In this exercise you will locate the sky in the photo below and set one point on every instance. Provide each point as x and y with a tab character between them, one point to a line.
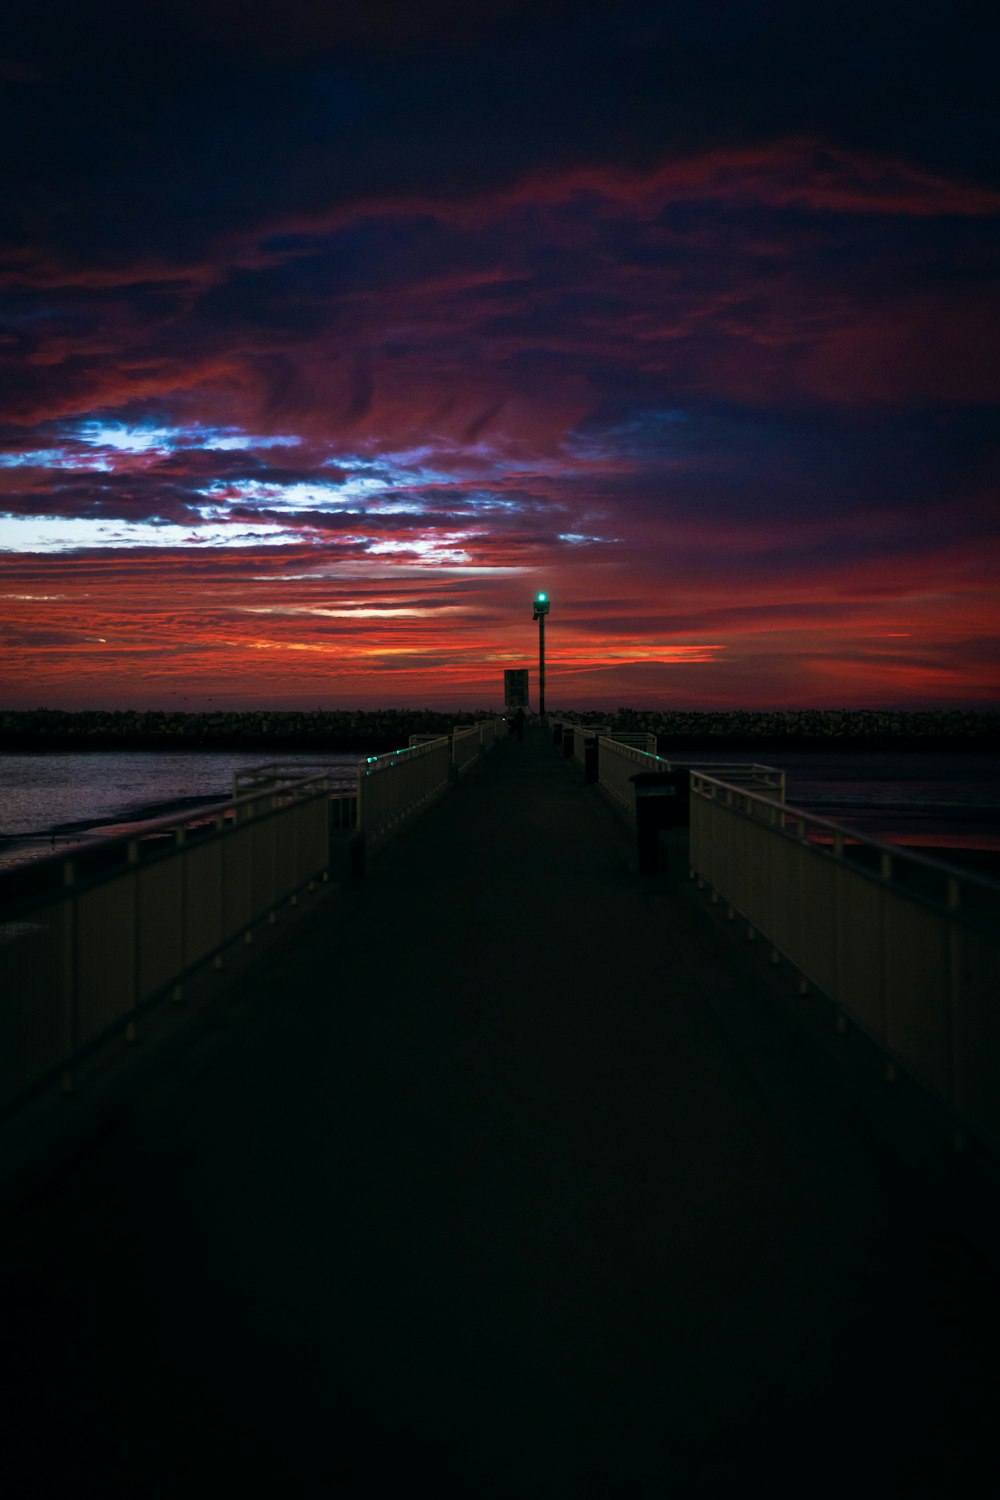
329	335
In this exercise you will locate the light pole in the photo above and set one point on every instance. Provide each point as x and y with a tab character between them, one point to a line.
541	610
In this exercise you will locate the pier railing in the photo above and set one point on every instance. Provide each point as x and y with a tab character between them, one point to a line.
472	740
394	787
619	761
81	960
906	948
580	733
129	921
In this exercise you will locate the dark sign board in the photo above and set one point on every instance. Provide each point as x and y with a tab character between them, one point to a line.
515	688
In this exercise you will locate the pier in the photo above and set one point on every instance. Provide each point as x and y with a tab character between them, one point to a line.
494	1163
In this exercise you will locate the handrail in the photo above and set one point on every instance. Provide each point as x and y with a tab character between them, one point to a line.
277	771
619	761
841	835
739	773
639	740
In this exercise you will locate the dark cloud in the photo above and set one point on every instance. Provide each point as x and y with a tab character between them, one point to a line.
689	310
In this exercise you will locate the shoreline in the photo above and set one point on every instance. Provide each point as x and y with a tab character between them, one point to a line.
265	732
668	745
147	812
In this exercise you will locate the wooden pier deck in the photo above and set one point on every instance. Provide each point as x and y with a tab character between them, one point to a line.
474	1190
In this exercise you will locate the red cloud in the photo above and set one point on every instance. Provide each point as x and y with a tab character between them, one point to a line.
504	343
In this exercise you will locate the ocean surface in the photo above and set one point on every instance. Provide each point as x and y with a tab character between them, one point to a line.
933	799
50	802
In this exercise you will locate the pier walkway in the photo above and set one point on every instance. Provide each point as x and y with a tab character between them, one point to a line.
477	1190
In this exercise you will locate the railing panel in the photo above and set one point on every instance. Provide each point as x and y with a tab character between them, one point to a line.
617	763
861	949
975	990
707	829
202	902
285	856
237	881
263	885
916	988
160	919
785	859
582	735
105	956
741	864
314	841
36	995
343	811
817	919
466	748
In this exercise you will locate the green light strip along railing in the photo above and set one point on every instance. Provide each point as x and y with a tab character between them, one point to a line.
420	773
133	918
907	948
394	787
639	740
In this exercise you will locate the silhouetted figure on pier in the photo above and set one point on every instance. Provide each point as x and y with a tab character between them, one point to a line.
519	723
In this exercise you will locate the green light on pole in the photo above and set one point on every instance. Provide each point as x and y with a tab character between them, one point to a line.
541	609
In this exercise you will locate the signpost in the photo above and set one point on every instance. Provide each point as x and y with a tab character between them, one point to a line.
515	688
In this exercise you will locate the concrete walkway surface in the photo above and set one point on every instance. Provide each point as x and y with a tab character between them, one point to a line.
471	1192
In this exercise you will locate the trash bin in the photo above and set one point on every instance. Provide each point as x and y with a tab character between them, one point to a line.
662	801
590	761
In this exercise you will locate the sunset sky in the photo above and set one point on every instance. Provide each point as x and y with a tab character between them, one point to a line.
329	334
